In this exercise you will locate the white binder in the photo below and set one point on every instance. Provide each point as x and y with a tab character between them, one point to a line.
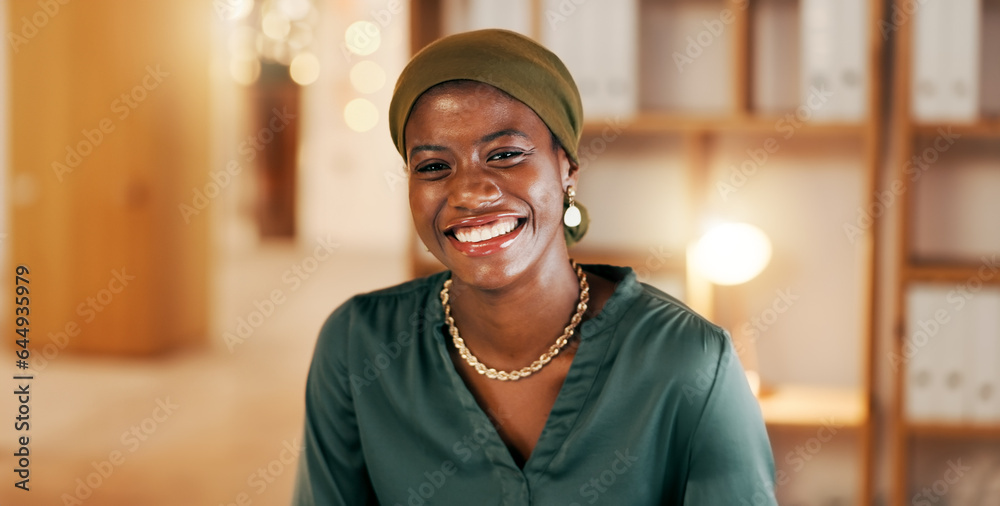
834	42
922	372
514	15
852	79
604	66
962	66
983	356
619	60
818	54
935	375
946	49
948	348
929	51
465	15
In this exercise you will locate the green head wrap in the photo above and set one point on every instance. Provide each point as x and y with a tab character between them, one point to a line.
508	61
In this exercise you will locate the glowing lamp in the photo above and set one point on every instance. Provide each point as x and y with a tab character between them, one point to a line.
731	253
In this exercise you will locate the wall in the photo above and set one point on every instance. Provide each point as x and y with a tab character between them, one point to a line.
352	184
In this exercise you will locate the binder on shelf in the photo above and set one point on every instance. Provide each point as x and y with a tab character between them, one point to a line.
818	53
454	16
983	357
946	48
927	93
852	71
619	59
465	15
948	347
605	68
921	371
935	356
962	74
774	59
834	38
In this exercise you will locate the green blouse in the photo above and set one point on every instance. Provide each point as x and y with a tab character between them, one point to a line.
655	409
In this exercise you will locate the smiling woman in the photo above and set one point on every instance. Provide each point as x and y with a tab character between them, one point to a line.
517	376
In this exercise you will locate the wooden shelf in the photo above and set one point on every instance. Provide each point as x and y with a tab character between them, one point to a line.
813	406
989	128
949	273
910	136
662	122
953	430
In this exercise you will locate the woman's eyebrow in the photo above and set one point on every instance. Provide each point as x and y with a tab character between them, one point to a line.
485	139
426	147
502	133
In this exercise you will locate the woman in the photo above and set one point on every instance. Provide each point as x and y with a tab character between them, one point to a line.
516	377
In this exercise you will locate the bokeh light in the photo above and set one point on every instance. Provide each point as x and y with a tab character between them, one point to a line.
304	69
294	9
275	25
234	9
243	41
363	38
245	70
361	115
367	77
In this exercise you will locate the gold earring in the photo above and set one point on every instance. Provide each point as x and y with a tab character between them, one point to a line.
572	216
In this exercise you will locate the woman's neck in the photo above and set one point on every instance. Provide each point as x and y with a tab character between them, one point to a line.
509	327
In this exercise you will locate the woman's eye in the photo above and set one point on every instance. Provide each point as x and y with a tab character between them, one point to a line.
505	155
431	167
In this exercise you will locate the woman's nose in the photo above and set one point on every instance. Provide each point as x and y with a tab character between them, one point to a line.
472	187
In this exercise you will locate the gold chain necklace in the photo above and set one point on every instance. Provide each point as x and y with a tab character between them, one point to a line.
535	366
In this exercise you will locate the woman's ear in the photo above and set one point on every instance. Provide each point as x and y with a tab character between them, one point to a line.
569	169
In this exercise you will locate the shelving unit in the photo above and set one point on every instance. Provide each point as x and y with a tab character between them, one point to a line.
909	136
783	406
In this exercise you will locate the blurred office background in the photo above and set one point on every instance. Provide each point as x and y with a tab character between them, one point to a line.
193	186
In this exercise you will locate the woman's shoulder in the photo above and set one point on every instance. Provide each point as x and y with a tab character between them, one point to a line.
413	290
668	307
636	303
371	313
656	327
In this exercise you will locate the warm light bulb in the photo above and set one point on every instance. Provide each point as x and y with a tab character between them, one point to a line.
731	253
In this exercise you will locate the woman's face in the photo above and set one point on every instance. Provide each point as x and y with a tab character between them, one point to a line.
486	183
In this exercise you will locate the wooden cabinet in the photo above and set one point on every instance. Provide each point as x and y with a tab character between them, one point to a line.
109	140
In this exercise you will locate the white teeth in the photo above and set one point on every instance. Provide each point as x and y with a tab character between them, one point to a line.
486	232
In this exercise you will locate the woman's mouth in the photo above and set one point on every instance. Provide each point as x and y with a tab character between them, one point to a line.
502	226
484	236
